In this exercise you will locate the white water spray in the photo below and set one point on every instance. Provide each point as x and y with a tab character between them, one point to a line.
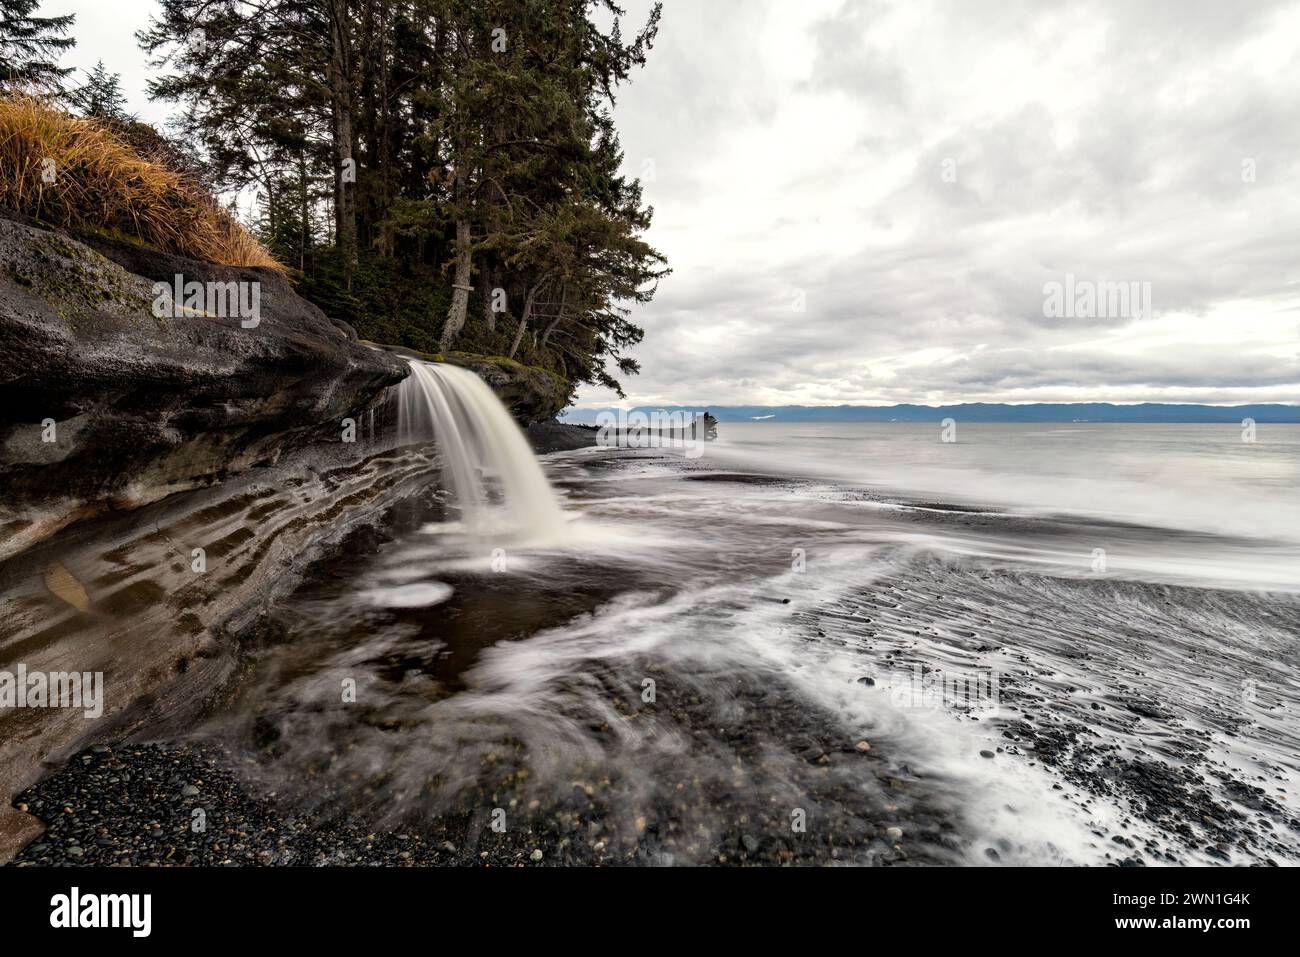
487	463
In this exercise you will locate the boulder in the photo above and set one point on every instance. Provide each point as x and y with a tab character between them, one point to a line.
530	393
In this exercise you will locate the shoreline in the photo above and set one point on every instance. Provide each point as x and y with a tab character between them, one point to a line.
1138	750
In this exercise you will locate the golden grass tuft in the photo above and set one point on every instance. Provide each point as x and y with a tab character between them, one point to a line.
100	182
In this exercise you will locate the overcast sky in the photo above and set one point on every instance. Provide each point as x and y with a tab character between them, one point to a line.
863	201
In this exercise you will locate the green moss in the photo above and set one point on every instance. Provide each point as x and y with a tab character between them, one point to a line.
75	281
119	235
510	366
62	246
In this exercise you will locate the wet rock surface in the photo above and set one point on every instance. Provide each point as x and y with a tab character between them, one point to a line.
142	406
132	605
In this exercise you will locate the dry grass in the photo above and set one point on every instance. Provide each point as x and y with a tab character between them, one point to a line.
101	183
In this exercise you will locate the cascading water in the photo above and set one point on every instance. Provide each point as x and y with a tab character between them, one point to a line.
487	464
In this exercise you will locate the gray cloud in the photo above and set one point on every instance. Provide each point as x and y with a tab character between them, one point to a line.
1103	140
798	150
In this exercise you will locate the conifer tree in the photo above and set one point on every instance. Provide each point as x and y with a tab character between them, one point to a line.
101	95
30	45
460	146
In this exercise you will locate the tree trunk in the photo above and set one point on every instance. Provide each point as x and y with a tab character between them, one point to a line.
488	291
304	211
460	288
385	136
559	317
339	71
270	207
523	320
493	198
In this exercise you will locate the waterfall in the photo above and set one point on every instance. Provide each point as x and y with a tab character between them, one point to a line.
487	464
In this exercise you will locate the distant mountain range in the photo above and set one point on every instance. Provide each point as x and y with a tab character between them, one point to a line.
1149	412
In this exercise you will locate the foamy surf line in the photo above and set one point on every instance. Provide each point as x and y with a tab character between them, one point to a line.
1005	811
1108	753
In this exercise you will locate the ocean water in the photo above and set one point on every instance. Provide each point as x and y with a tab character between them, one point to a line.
851	644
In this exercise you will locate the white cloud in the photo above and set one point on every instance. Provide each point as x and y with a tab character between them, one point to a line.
105	30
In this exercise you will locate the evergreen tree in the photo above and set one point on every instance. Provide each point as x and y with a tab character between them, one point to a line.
101	95
250	80
456	148
30	45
